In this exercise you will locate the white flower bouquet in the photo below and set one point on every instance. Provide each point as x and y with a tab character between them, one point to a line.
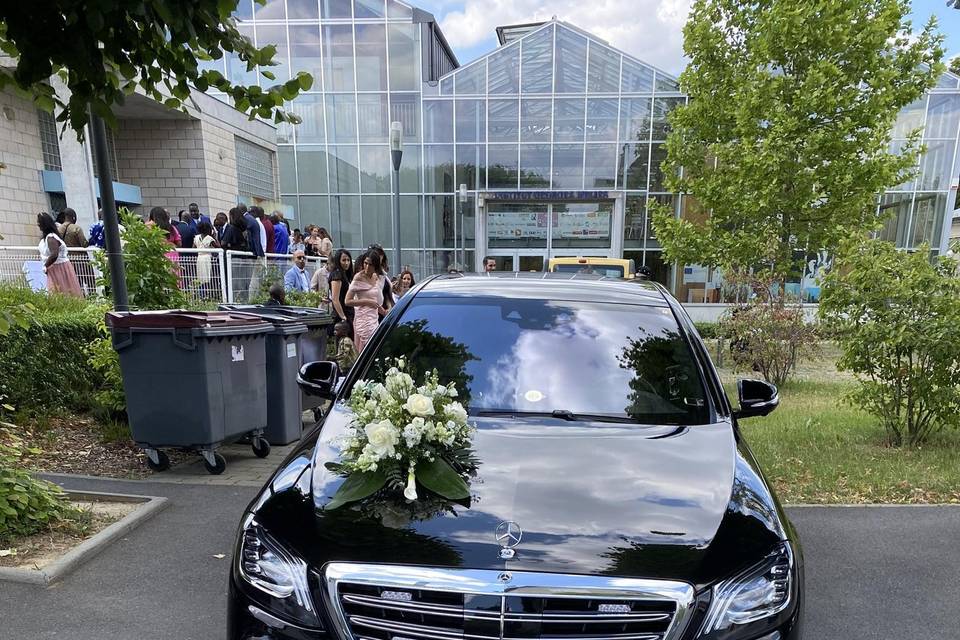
402	436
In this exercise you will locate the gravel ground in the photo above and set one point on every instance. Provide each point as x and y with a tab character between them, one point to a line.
75	445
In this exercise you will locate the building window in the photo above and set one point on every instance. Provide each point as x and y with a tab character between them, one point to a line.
49	141
111	157
255	173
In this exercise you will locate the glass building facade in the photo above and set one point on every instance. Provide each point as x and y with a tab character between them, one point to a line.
550	145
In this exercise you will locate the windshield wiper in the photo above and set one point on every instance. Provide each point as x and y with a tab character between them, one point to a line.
561	414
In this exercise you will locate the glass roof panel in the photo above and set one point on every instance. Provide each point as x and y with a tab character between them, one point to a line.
504	71
570	62
604	70
536	54
637	78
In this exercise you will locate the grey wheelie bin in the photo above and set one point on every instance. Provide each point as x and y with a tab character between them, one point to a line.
313	344
193	380
284	410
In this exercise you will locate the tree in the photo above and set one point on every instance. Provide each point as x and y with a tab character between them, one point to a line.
786	136
105	50
896	317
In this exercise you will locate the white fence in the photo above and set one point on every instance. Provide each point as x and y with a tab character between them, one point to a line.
249	277
202	272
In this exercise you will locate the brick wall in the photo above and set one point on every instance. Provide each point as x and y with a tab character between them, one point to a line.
21	192
220	158
165	158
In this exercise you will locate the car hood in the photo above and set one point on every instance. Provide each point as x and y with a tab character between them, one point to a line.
624	500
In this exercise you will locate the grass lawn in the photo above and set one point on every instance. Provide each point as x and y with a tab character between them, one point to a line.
816	448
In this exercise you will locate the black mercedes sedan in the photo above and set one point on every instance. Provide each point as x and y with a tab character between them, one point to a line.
612	497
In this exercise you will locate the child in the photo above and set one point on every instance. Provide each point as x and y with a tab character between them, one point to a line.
296	244
346	352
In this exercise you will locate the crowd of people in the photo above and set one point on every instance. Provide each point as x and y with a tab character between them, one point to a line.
357	292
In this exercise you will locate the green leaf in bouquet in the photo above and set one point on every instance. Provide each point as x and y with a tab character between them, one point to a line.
439	477
357	486
335	467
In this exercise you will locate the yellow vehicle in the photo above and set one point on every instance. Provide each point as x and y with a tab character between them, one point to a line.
611	267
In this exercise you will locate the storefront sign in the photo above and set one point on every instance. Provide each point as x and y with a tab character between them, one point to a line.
539	196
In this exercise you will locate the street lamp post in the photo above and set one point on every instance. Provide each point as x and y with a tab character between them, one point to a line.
111	226
396	152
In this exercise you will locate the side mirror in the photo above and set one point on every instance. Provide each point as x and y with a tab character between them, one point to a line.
757	398
319	379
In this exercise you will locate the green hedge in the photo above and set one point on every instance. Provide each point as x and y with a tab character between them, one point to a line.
45	367
708	330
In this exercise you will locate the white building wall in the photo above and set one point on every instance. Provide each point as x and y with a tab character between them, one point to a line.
21	191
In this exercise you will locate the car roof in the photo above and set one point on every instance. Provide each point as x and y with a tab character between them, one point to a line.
579	287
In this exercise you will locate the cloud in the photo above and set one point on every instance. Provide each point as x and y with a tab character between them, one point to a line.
650	30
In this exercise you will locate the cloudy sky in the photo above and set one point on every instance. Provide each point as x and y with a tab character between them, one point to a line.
648	29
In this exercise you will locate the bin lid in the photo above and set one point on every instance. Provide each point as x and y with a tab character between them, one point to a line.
307	315
181	319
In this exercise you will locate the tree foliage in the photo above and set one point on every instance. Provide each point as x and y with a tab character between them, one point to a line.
152	278
766	335
104	50
896	316
786	136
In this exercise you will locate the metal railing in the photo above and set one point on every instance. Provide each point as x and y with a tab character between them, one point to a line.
249	278
22	266
202	272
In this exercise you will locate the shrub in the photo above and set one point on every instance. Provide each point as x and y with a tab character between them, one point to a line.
708	330
896	317
152	279
43	365
103	358
27	505
768	337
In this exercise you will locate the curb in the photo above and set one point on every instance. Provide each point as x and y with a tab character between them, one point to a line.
873	505
86	550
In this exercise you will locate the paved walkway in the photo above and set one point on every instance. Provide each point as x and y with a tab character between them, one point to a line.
244	469
872	573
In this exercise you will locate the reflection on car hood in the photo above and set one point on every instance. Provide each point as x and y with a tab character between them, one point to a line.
626	500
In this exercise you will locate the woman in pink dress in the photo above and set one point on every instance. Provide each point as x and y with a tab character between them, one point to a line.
61	276
365	295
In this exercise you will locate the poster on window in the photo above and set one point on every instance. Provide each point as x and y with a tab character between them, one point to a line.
514	225
591	224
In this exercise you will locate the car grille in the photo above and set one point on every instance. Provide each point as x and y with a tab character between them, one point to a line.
385	603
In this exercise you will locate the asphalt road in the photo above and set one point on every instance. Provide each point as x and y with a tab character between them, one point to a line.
872	573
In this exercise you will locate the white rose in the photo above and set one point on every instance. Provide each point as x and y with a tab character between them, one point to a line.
413	432
456	412
382	437
401	363
452	391
419	405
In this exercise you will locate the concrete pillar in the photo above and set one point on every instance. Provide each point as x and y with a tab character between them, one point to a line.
78	180
77	162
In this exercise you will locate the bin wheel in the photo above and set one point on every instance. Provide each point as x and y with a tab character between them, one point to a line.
261	448
215	469
162	464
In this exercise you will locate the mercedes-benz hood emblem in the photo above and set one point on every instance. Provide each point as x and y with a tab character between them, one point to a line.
509	534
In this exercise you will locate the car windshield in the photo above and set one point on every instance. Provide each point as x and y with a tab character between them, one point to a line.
609	270
570	359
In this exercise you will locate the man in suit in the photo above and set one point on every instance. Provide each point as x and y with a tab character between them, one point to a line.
281	237
187	227
255	233
296	278
256	240
198	217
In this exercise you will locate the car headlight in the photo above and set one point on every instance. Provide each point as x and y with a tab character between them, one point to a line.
762	591
266	565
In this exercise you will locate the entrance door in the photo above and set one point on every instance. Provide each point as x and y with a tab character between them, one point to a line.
524	236
519	260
